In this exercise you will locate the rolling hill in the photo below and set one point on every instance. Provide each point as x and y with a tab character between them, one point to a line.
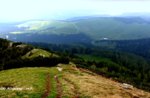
16	55
81	29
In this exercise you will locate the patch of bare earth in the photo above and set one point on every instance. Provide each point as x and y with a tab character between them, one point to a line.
47	86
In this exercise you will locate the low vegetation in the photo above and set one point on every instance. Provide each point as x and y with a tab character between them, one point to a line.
72	82
30	80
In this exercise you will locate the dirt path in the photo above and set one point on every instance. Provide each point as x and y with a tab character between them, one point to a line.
47	86
59	88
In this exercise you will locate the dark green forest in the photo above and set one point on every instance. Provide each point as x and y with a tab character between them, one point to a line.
123	66
11	56
119	65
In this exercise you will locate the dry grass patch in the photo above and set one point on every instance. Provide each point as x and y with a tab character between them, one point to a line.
96	86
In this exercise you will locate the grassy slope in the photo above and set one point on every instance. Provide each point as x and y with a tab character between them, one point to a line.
35	53
47	27
71	81
25	78
38	52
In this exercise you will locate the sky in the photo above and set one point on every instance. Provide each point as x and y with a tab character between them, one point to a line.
19	10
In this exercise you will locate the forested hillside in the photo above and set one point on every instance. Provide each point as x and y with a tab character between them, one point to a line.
80	29
16	55
140	47
121	66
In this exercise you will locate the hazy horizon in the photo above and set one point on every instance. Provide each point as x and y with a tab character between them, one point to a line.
20	10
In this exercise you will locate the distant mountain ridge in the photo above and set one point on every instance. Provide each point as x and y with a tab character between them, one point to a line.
94	28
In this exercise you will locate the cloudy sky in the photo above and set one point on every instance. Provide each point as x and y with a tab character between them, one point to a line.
18	10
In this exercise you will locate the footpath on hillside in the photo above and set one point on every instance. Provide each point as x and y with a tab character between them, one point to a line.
47	86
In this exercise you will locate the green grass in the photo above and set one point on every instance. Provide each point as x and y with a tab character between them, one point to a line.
34	25
53	91
48	27
73	82
38	52
26	78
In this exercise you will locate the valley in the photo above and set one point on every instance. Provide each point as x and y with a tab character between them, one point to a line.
79	30
92	57
74	49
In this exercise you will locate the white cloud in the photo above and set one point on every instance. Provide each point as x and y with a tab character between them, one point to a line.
30	9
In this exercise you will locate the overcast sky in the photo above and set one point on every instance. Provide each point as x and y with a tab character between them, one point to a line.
18	10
